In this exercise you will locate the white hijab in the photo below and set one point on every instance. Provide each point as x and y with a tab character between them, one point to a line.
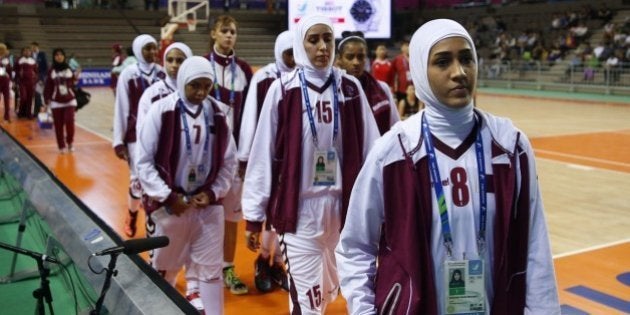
139	42
184	49
193	67
451	125
317	76
284	41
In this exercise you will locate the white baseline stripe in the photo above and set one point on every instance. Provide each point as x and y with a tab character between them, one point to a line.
584	158
590	249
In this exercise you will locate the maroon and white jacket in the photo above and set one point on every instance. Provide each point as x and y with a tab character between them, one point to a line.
223	75
279	172
58	90
393	219
162	154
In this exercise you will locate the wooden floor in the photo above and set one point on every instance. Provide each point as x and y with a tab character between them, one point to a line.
583	159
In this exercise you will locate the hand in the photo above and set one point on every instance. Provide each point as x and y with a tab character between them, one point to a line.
242	166
122	152
253	240
200	200
179	206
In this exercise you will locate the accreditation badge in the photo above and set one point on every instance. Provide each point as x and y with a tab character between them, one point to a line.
3	71
464	285
325	167
63	89
191	179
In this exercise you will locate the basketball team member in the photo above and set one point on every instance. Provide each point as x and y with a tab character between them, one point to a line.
186	162
488	225
317	112
131	84
26	76
283	52
231	76
352	58
174	56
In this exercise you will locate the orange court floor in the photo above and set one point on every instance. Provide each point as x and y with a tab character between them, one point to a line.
583	159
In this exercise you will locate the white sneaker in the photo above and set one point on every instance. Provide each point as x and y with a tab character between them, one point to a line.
195	300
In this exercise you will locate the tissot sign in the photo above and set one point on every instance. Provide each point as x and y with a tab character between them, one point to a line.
372	17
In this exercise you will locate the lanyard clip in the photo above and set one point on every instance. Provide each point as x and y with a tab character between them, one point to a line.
481	246
449	248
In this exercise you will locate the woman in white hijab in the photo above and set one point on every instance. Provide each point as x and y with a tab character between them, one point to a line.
133	81
184	176
314	112
489	223
174	56
266	274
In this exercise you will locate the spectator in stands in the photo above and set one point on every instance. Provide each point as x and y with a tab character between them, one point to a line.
26	77
591	64
382	68
117	59
6	71
59	95
231	76
613	65
401	71
604	13
42	68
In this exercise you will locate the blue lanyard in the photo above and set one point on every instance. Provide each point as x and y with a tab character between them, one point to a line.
144	85
217	94
309	111
182	109
439	190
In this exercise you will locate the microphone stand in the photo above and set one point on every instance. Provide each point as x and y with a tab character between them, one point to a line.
110	271
43	292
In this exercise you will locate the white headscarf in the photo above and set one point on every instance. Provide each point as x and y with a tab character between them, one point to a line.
184	49
299	52
139	42
284	41
193	67
449	124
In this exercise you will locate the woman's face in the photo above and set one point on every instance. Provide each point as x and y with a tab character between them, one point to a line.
149	52
457	276
319	44
287	58
352	58
197	90
411	90
173	61
452	71
59	57
224	37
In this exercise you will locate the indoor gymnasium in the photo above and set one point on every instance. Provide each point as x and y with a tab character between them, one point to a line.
559	70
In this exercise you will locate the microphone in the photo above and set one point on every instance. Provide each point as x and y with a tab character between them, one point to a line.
27	252
136	246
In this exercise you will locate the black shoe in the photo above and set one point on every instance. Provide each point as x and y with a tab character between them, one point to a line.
280	276
262	277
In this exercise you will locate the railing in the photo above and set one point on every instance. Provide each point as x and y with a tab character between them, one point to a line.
560	76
